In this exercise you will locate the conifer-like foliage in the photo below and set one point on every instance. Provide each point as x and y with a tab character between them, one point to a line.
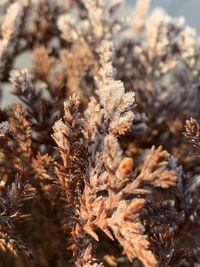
99	153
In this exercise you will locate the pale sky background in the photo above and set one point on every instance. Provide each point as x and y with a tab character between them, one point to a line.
190	9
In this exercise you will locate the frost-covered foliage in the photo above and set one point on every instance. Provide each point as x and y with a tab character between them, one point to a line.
99	157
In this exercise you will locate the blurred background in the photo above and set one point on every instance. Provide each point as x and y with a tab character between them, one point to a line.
190	9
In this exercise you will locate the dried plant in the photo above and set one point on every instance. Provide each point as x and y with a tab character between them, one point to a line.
112	178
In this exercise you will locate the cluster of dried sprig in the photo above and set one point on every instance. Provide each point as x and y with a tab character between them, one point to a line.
94	185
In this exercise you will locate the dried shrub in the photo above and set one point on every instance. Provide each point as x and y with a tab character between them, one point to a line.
96	157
